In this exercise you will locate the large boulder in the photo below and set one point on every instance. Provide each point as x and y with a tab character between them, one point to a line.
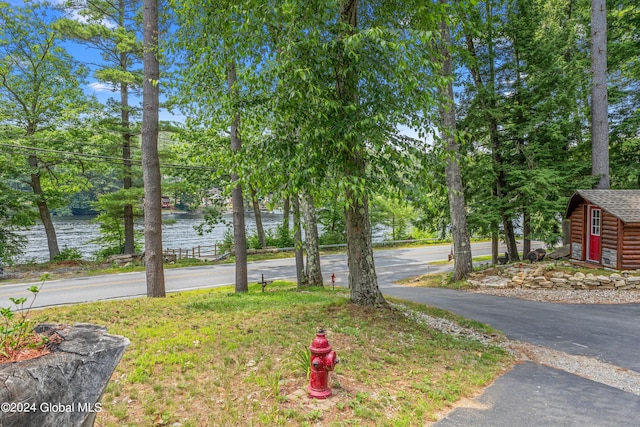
64	387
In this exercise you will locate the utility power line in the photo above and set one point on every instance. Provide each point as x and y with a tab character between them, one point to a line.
106	159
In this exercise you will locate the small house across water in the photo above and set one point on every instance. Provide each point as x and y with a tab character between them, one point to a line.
605	228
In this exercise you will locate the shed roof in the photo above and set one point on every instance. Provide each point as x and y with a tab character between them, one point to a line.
624	204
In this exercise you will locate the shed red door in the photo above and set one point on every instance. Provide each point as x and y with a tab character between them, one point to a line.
595	220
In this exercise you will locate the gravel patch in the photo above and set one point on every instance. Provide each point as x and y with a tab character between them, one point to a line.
452	328
566	296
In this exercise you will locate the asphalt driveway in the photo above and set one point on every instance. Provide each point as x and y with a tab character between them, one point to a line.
537	395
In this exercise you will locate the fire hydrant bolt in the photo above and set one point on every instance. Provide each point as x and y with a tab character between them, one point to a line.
323	360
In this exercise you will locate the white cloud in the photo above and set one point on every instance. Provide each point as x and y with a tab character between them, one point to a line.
101	87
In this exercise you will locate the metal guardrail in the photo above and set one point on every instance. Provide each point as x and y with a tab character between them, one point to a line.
194	252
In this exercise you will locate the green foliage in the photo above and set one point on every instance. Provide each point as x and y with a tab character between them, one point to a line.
395	214
227	240
43	109
332	238
302	361
16	329
523	113
68	254
623	21
280	237
16	213
110	218
212	216
332	219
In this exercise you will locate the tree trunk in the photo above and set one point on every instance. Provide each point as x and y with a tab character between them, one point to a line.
526	231
313	271
297	242
495	240
566	232
258	217
150	161
129	239
285	214
363	282
239	233
463	264
43	210
599	95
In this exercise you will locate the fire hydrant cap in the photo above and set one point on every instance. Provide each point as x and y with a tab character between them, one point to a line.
320	344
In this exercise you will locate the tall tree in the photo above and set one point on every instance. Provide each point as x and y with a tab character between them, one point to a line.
532	116
363	282
599	94
150	160
487	88
239	231
344	83
218	43
110	27
40	94
463	264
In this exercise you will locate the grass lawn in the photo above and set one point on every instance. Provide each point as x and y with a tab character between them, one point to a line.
435	280
216	358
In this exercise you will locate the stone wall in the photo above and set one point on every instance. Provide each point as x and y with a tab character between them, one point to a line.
541	279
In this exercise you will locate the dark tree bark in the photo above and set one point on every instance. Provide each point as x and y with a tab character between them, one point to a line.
566	232
297	242
285	214
599	95
150	161
129	239
239	232
363	282
129	235
43	210
495	241
463	264
526	231
313	271
258	217
510	238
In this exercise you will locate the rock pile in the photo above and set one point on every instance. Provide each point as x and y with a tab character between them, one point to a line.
562	280
541	278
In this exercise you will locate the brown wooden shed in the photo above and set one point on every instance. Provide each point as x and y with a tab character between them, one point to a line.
605	228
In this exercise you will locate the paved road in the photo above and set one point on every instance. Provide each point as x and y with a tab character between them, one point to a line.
391	265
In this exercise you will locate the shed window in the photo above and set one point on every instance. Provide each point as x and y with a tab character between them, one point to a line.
595	222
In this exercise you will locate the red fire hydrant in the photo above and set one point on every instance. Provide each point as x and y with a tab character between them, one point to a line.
323	360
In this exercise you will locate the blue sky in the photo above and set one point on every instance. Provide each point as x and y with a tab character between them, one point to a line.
93	87
103	91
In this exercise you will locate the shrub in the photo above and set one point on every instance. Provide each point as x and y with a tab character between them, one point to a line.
227	240
334	238
16	330
68	254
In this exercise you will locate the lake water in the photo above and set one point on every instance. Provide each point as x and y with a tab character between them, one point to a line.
77	232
